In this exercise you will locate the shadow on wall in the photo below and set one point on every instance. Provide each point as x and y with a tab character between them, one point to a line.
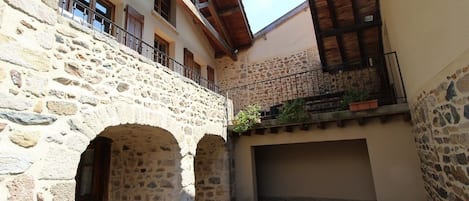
211	169
185	196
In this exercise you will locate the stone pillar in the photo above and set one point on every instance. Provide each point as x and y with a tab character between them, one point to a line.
187	175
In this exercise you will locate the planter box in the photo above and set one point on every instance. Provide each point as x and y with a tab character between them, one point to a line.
363	105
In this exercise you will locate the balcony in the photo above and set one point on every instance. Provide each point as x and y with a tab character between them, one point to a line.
322	92
100	22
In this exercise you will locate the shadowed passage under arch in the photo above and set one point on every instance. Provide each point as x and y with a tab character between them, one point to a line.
130	162
212	169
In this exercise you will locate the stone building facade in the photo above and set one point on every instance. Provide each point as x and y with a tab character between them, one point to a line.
441	125
288	76
63	85
434	59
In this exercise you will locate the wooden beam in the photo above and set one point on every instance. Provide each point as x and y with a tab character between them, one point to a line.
346	29
245	19
340	123
218	22
274	130
407	117
361	44
305	127
382	68
202	5
361	121
339	37
321	125
207	28
229	11
383	119
226	12
317	30
260	131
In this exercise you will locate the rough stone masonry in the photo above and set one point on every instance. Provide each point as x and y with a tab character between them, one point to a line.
441	125
62	84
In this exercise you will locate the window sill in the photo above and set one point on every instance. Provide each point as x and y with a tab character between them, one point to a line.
164	21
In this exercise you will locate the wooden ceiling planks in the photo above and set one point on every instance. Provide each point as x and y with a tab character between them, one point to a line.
344	12
348	32
228	18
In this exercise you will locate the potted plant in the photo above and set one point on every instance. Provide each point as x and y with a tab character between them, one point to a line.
357	100
247	118
293	111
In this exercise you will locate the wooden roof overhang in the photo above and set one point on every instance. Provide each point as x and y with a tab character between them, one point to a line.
224	23
348	32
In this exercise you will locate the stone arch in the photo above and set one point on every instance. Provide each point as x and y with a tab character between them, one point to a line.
144	163
91	123
211	167
143	142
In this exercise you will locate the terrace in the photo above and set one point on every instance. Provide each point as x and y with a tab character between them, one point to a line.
351	62
100	21
322	93
322	89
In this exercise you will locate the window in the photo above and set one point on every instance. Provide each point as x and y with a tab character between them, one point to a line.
192	69
188	62
134	26
93	171
211	78
196	72
99	13
163	7
162	51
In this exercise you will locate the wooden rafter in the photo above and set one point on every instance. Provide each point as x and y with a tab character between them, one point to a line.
317	30
361	45
335	24
351	28
218	22
228	11
202	5
207	28
245	19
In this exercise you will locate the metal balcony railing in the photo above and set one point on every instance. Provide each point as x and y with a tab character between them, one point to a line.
81	12
323	90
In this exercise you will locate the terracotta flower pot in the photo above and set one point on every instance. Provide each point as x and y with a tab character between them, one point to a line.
363	105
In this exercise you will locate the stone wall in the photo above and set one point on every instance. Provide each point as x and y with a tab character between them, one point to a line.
62	84
295	75
212	170
441	126
145	164
245	71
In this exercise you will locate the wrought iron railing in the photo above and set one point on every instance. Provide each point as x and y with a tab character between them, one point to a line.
82	13
322	90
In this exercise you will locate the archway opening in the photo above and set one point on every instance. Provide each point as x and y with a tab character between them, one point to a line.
211	169
130	162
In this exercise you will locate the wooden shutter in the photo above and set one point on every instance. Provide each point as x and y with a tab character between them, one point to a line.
188	62
196	72
93	171
210	74
211	78
134	25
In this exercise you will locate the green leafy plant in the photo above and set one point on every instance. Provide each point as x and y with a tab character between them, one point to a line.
353	96
247	118
294	111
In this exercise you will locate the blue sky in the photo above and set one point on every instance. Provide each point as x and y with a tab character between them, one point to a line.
261	13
